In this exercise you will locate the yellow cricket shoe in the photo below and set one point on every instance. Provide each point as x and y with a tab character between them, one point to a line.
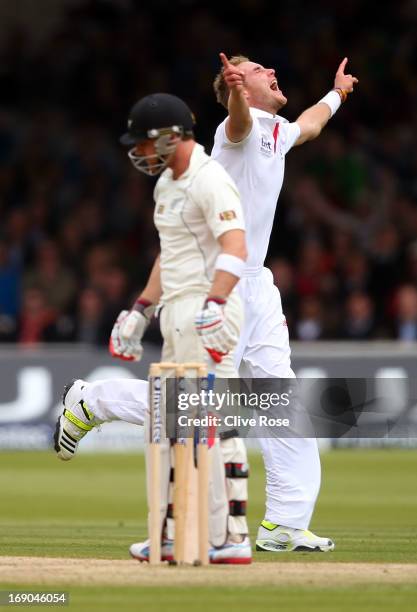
74	423
277	538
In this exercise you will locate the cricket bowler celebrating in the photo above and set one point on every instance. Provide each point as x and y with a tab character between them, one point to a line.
251	144
200	223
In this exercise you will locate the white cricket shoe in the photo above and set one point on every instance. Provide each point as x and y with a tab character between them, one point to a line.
140	550
233	553
230	553
74	423
276	538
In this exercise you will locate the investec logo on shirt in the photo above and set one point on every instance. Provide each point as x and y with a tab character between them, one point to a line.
266	145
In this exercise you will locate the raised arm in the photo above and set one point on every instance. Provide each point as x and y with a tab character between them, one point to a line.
313	120
239	122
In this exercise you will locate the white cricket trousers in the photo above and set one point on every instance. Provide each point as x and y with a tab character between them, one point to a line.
292	465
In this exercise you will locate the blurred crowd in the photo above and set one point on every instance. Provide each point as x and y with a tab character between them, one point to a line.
76	234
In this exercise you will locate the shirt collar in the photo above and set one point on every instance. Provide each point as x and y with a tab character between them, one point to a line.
198	156
257	112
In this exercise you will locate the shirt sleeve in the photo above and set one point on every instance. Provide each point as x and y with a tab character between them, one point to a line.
216	194
221	141
289	134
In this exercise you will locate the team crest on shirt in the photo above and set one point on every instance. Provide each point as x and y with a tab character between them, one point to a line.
160	209
267	147
227	215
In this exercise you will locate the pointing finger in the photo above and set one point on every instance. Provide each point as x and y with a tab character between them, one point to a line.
224	60
343	63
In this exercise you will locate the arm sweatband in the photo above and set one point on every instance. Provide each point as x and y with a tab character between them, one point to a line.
333	101
230	263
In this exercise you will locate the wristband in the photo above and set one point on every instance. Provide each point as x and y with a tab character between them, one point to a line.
145	307
343	93
333	101
217	300
230	263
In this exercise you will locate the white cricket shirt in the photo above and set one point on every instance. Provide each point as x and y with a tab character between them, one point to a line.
190	215
257	165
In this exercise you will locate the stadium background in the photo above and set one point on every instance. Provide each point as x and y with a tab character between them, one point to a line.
76	232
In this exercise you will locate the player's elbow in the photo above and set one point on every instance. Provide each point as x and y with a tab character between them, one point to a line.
233	242
313	131
238	133
240	246
240	251
309	130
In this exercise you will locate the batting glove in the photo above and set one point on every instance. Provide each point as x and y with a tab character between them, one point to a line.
217	334
126	336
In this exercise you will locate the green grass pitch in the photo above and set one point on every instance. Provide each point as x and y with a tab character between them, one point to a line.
94	506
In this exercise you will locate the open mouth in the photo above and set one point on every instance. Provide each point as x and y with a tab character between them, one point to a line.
274	85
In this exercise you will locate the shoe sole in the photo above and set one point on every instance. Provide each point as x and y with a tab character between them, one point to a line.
219	562
229	561
146	559
235	561
57	432
66	446
56	435
274	548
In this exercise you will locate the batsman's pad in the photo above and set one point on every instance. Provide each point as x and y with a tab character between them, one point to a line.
218	500
170	523
237	472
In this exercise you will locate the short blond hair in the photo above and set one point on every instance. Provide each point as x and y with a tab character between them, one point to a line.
219	85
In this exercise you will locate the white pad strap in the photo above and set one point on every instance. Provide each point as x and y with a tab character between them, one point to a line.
333	101
218	500
230	263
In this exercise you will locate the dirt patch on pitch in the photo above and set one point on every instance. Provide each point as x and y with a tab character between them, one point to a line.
89	572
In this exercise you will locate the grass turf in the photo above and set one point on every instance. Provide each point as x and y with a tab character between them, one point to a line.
370	598
94	506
